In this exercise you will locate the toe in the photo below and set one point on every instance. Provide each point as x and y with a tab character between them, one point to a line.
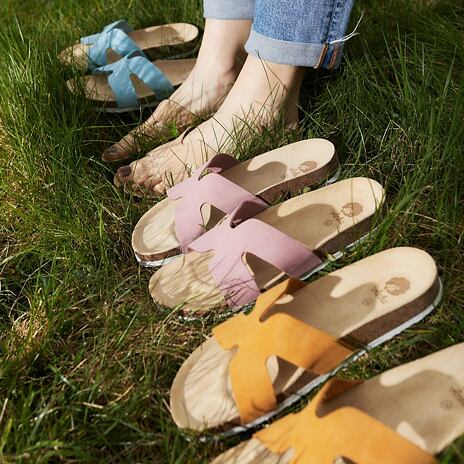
126	147
143	170
154	181
160	188
124	173
139	175
115	153
153	184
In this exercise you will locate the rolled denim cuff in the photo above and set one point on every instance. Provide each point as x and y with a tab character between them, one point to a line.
229	9
294	53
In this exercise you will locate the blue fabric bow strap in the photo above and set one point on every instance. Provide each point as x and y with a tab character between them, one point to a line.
113	36
119	79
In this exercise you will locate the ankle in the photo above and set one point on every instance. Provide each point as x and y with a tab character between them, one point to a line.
223	46
287	77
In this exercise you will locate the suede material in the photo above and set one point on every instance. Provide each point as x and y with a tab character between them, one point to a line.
243	235
270	195
346	432
359	338
257	338
202	188
113	36
135	63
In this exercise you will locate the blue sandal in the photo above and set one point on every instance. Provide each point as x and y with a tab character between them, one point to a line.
132	83
119	39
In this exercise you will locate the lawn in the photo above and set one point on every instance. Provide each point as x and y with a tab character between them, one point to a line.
86	358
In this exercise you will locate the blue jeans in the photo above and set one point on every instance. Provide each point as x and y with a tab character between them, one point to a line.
296	32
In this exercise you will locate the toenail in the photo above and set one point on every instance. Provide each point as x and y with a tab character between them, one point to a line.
111	150
125	171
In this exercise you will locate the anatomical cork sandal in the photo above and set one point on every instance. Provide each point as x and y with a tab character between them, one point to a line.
254	248
406	415
132	83
219	186
119	39
298	335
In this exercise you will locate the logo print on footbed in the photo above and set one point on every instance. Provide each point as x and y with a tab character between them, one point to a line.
303	168
352	209
397	286
458	396
308	166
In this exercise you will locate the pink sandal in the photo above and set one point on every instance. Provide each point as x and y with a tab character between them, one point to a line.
219	186
254	248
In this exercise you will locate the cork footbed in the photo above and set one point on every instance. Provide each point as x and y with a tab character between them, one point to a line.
286	169
423	401
147	39
325	220
362	301
97	89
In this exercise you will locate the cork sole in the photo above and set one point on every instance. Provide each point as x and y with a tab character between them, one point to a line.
97	89
149	40
325	221
285	170
367	302
423	401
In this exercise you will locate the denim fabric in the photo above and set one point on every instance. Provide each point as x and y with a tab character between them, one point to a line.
297	32
229	9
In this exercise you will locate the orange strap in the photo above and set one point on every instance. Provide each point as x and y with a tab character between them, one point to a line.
345	432
280	335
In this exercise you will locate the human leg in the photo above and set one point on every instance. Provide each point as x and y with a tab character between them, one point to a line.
268	86
220	58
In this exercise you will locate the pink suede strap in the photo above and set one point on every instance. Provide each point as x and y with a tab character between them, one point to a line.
206	188
238	235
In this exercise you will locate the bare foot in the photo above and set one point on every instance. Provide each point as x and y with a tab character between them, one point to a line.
219	62
263	93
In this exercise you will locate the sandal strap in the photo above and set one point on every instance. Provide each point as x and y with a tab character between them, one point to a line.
230	242
206	186
255	338
136	63
113	36
347	432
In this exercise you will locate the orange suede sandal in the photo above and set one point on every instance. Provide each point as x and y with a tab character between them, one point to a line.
198	203
297	336
406	415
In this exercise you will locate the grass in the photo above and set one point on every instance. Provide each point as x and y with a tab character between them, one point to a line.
86	359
